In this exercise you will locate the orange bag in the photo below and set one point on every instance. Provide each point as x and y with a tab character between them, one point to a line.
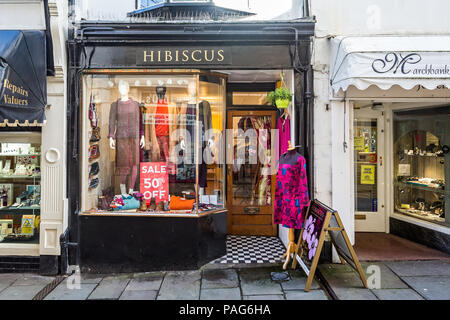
179	203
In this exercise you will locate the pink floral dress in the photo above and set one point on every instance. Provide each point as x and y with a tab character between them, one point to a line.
291	194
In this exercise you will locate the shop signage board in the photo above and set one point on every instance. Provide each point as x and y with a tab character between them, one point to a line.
166	56
319	221
154	181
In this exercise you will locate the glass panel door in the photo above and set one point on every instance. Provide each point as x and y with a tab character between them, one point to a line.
368	171
250	181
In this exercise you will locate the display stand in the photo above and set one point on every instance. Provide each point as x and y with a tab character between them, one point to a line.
319	221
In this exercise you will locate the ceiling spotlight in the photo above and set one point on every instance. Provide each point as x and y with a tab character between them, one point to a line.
149	82
137	82
160	82
110	83
169	81
180	82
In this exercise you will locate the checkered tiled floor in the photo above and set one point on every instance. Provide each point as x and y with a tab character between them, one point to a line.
252	249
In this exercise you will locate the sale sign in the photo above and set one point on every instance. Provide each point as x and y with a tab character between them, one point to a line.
154	181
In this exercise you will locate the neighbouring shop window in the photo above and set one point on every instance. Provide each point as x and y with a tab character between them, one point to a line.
421	163
152	143
20	186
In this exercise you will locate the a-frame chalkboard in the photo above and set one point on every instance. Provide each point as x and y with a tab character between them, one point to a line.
319	220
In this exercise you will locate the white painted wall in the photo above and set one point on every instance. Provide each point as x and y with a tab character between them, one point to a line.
22	14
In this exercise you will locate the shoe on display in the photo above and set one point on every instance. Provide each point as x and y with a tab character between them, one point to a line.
95	135
93	115
152	204
94	168
160	206
94	152
93	183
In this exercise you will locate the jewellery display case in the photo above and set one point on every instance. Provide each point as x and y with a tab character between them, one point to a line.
20	191
421	165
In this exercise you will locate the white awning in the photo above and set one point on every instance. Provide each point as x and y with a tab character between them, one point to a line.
385	61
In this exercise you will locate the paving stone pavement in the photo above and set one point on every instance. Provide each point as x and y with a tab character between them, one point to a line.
398	280
403	280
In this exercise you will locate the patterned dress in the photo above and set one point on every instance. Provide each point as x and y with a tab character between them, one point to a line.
291	194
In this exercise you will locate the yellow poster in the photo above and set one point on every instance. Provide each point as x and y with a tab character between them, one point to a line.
359	143
367	174
28	224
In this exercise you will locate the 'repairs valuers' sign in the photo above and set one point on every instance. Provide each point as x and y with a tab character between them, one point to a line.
14	95
155	56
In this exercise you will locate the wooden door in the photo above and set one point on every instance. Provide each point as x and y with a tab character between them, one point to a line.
250	180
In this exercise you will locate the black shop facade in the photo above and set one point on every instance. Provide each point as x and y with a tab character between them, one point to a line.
154	179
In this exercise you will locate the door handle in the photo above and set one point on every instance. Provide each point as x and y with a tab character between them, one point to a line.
251	210
381	161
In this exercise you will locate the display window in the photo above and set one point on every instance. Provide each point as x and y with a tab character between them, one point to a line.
421	163
153	143
20	191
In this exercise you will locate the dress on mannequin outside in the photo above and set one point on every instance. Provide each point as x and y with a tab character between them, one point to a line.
291	194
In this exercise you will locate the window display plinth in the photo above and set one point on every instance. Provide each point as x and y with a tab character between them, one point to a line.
120	244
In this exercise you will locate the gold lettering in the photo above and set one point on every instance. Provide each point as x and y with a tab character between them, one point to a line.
206	55
220	53
176	55
148	55
193	55
159	56
168	55
185	56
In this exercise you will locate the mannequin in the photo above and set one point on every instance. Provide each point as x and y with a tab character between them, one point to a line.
126	132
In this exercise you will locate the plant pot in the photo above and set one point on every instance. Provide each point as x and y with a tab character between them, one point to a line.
282	103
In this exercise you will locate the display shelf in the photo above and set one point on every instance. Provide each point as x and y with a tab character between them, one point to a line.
21	210
20	177
420	187
19	155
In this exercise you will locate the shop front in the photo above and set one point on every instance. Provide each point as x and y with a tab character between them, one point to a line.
155	180
396	92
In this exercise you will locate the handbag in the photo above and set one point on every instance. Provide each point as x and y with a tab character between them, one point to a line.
179	203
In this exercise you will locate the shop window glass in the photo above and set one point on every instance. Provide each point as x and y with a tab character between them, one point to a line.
152	144
20	191
421	164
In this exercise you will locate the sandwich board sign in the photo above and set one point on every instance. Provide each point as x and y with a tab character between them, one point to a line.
319	221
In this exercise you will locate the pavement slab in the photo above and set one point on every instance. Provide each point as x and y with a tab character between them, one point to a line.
32	280
431	288
6	279
354	294
220	294
265	297
62	292
20	292
420	268
388	279
303	295
298	281
397	294
139	295
92	278
226	278
258	281
110	287
146	281
180	285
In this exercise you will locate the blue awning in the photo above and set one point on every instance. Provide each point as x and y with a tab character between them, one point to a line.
23	76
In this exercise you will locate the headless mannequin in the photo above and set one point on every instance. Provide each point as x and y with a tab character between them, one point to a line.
124	89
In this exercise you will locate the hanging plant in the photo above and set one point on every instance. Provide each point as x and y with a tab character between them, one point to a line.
280	97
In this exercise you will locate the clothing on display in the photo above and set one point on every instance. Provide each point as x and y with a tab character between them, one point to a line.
291	193
284	132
